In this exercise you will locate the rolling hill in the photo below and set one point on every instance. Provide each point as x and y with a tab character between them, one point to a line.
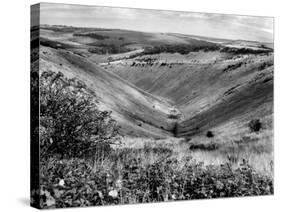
146	78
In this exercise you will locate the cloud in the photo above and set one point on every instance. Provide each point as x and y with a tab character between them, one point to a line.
206	24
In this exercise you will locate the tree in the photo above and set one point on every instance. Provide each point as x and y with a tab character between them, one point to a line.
255	125
209	134
70	123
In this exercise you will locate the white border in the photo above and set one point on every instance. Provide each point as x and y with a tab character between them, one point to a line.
14	111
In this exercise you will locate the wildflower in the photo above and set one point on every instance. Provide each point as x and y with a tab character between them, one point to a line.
119	184
113	193
100	194
58	193
61	182
219	185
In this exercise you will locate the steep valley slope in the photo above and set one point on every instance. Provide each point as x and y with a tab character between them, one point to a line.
160	84
131	107
208	91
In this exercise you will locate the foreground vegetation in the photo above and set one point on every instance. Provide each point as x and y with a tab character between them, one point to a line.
132	176
82	163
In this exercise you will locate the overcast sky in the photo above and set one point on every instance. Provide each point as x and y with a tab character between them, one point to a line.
204	24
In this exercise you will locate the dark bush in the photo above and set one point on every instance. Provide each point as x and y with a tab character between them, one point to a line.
233	67
209	134
204	147
173	116
255	125
234	50
70	123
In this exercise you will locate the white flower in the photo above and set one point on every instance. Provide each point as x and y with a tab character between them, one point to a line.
61	182
119	184
219	185
113	193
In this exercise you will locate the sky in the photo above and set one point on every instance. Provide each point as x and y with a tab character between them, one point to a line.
252	28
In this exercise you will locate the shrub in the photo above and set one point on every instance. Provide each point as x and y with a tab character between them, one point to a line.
70	122
234	50
209	134
206	147
233	66
255	125
95	50
173	116
73	183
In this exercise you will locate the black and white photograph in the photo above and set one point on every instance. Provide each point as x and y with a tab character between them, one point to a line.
134	106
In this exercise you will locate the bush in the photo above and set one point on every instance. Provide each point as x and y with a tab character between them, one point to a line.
233	66
255	125
209	134
234	50
206	147
70	123
173	116
73	183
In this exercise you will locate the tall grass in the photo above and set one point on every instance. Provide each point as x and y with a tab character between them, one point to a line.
146	171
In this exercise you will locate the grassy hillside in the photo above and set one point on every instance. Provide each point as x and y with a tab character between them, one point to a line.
199	82
135	109
204	78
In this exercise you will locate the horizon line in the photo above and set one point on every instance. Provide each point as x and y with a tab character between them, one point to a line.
124	29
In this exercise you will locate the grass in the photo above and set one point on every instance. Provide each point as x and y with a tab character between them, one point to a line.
149	170
256	148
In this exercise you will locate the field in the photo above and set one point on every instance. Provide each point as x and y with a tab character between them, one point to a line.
134	117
